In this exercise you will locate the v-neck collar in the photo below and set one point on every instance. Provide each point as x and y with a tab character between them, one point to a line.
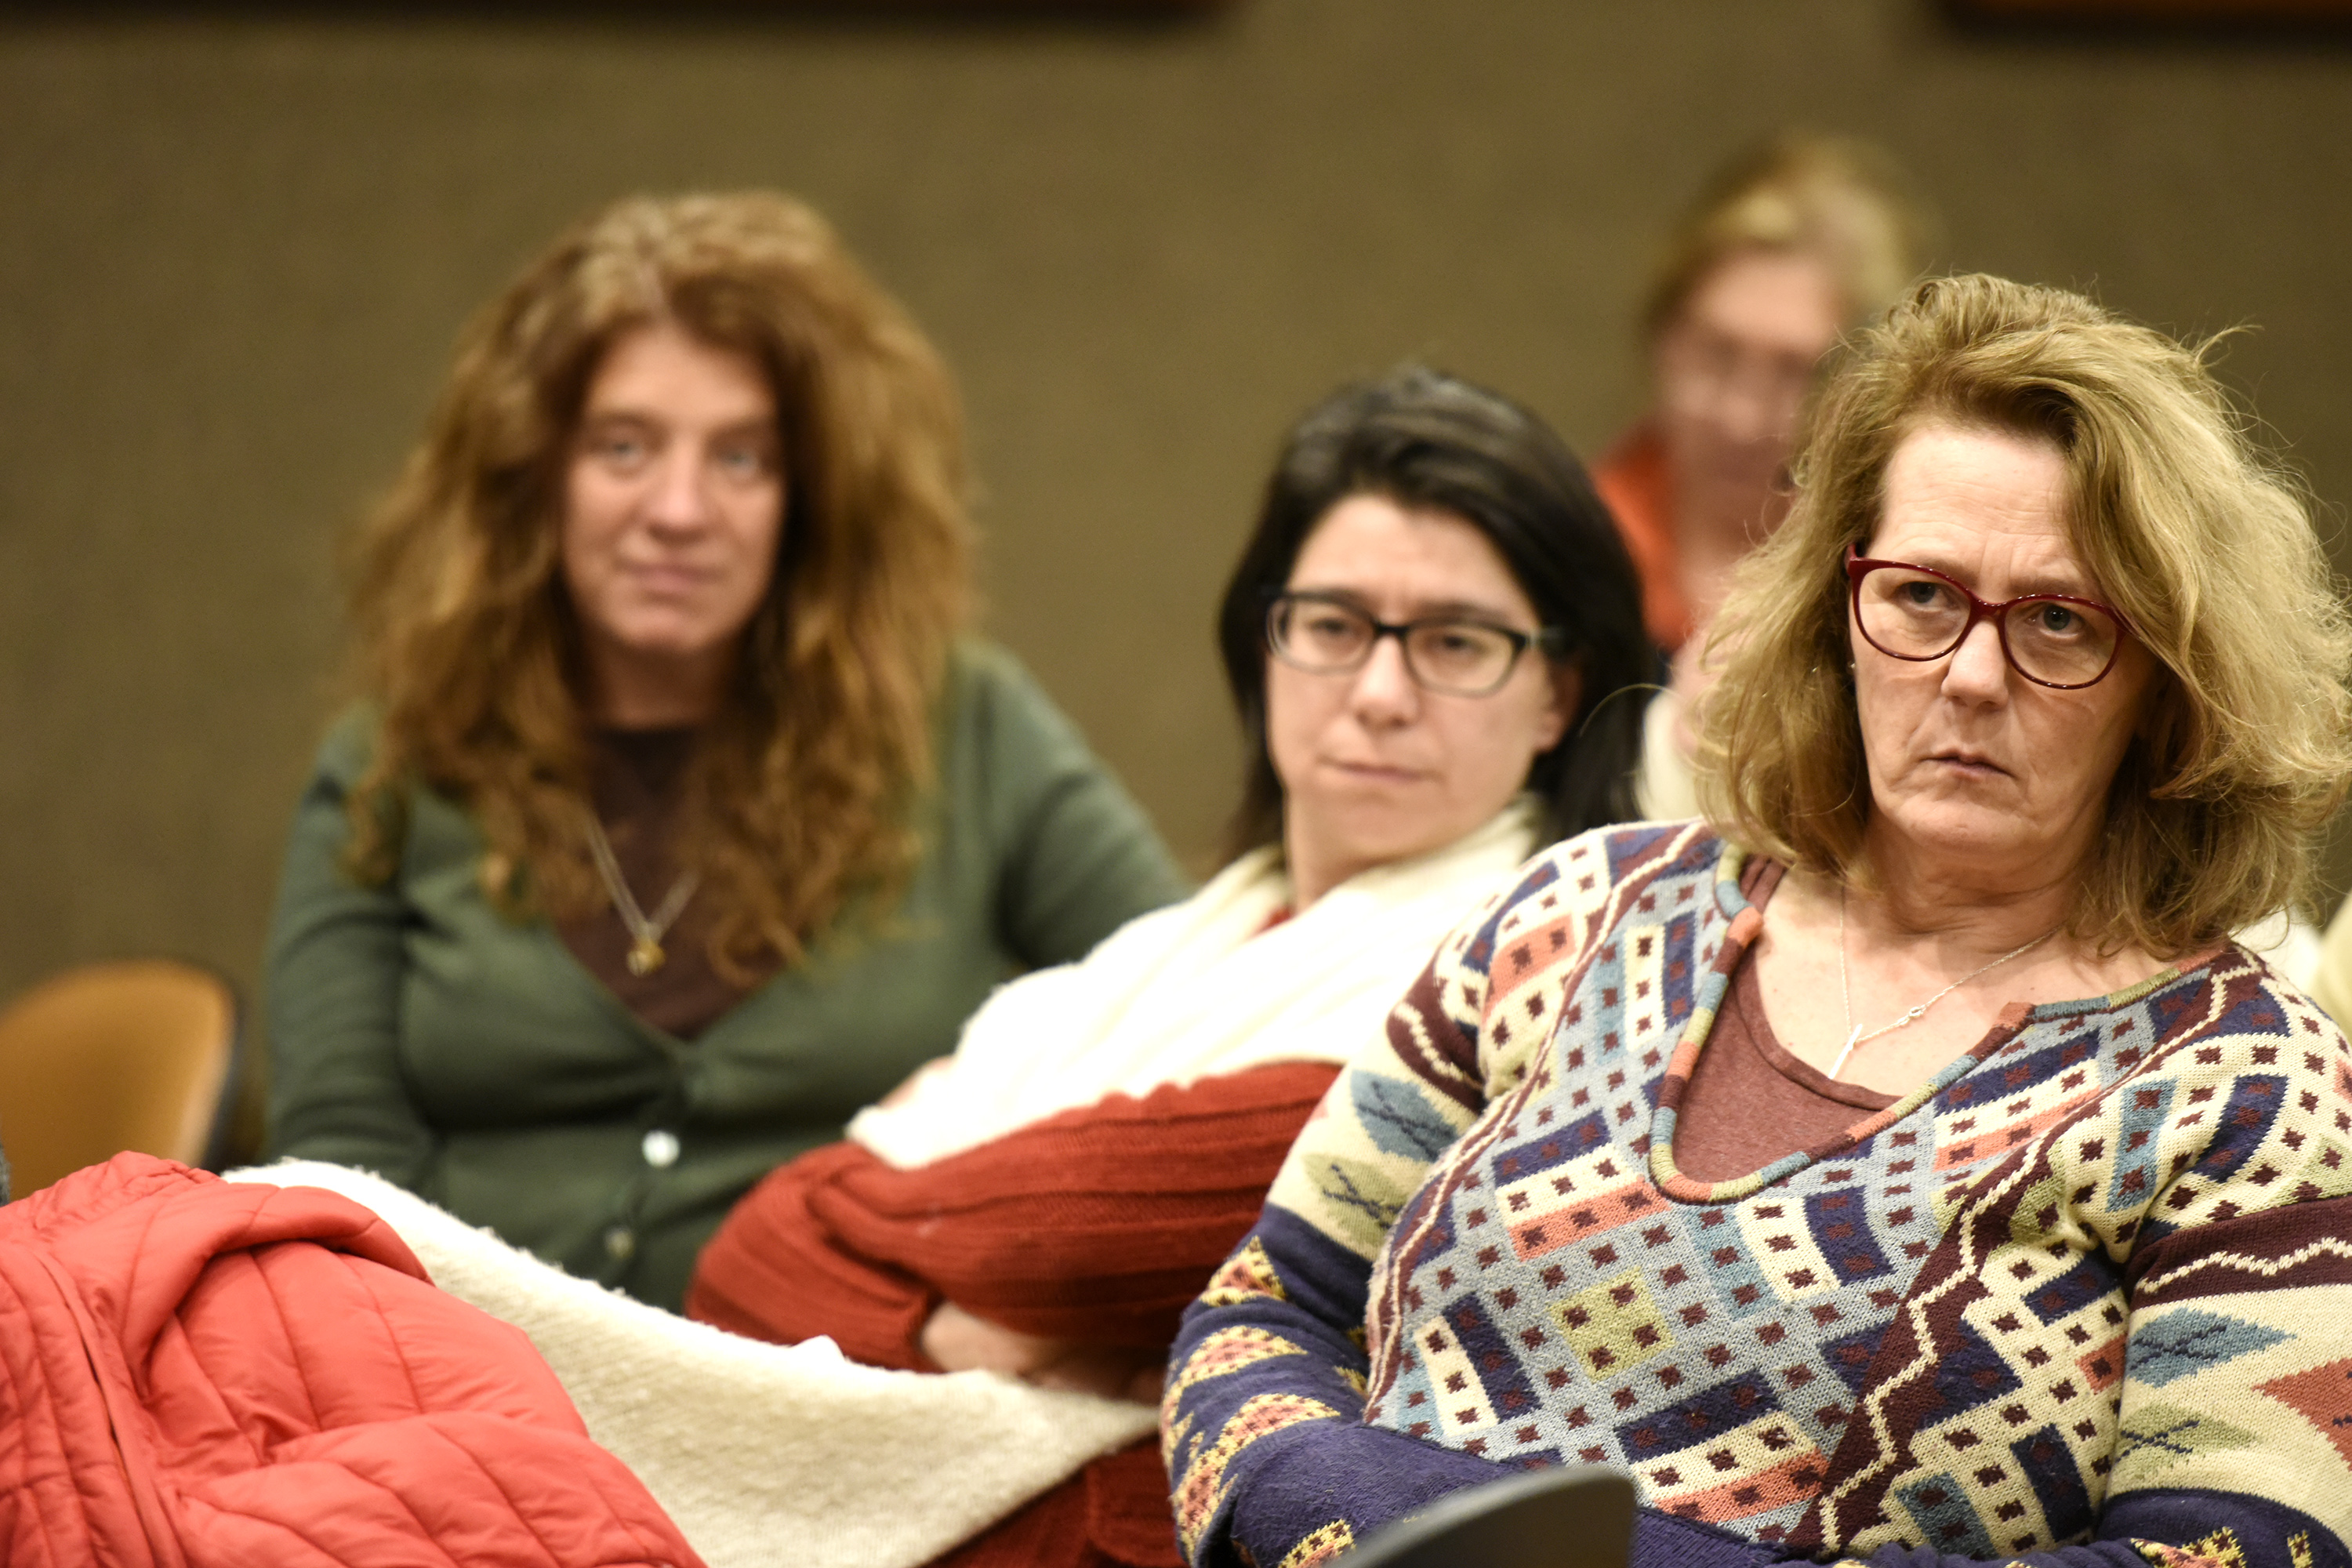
1744	921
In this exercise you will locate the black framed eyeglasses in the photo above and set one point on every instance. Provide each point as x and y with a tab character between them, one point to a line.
1324	634
1915	613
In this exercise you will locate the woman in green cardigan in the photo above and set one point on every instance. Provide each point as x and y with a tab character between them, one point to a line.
677	823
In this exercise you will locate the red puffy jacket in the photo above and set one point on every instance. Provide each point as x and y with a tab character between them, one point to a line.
196	1373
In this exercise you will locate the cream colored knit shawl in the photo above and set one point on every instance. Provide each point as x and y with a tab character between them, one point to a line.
1194	990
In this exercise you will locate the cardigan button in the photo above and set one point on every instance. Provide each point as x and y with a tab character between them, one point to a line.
661	1148
620	1241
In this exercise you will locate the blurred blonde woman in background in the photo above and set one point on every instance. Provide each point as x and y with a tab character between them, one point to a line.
1787	247
680	819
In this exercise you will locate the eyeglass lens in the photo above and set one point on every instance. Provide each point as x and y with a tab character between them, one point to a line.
1915	615
1325	637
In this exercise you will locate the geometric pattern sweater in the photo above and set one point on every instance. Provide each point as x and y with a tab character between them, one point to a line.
2083	1297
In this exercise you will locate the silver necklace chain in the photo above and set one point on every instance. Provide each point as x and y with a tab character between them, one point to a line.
1854	1036
646	932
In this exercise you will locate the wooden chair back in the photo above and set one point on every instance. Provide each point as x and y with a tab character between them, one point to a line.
131	1054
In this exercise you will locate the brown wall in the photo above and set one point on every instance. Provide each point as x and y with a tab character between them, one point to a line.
233	254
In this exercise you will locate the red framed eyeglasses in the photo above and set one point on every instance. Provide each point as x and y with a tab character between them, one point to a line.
1918	614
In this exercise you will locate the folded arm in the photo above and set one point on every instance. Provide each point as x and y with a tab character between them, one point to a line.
1090	1229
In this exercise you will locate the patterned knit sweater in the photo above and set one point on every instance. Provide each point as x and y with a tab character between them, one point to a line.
2079	1299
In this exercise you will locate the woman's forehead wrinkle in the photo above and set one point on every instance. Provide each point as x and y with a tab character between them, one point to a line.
1994	556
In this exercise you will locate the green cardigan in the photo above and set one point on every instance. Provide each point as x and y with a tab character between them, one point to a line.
417	1033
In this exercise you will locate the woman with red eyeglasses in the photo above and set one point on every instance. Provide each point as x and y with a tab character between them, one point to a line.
1901	1163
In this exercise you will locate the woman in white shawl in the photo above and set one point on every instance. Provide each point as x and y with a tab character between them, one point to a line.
1429	639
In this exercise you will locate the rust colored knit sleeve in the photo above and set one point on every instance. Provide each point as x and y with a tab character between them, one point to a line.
1096	1225
774	1272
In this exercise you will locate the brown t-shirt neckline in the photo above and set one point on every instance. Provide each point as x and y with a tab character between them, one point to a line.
1751	1101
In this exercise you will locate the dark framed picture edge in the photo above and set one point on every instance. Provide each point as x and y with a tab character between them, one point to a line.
979	14
2110	20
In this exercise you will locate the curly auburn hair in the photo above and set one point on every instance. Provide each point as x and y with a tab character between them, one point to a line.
2208	549
468	645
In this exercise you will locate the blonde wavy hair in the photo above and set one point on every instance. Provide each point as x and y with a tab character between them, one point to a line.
468	645
2188	529
1837	199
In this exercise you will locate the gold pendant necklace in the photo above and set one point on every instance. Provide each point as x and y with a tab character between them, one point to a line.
646	955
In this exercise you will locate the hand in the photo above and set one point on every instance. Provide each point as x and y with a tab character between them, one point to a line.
956	1341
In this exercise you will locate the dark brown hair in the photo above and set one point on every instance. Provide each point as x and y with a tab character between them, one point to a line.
1425	440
